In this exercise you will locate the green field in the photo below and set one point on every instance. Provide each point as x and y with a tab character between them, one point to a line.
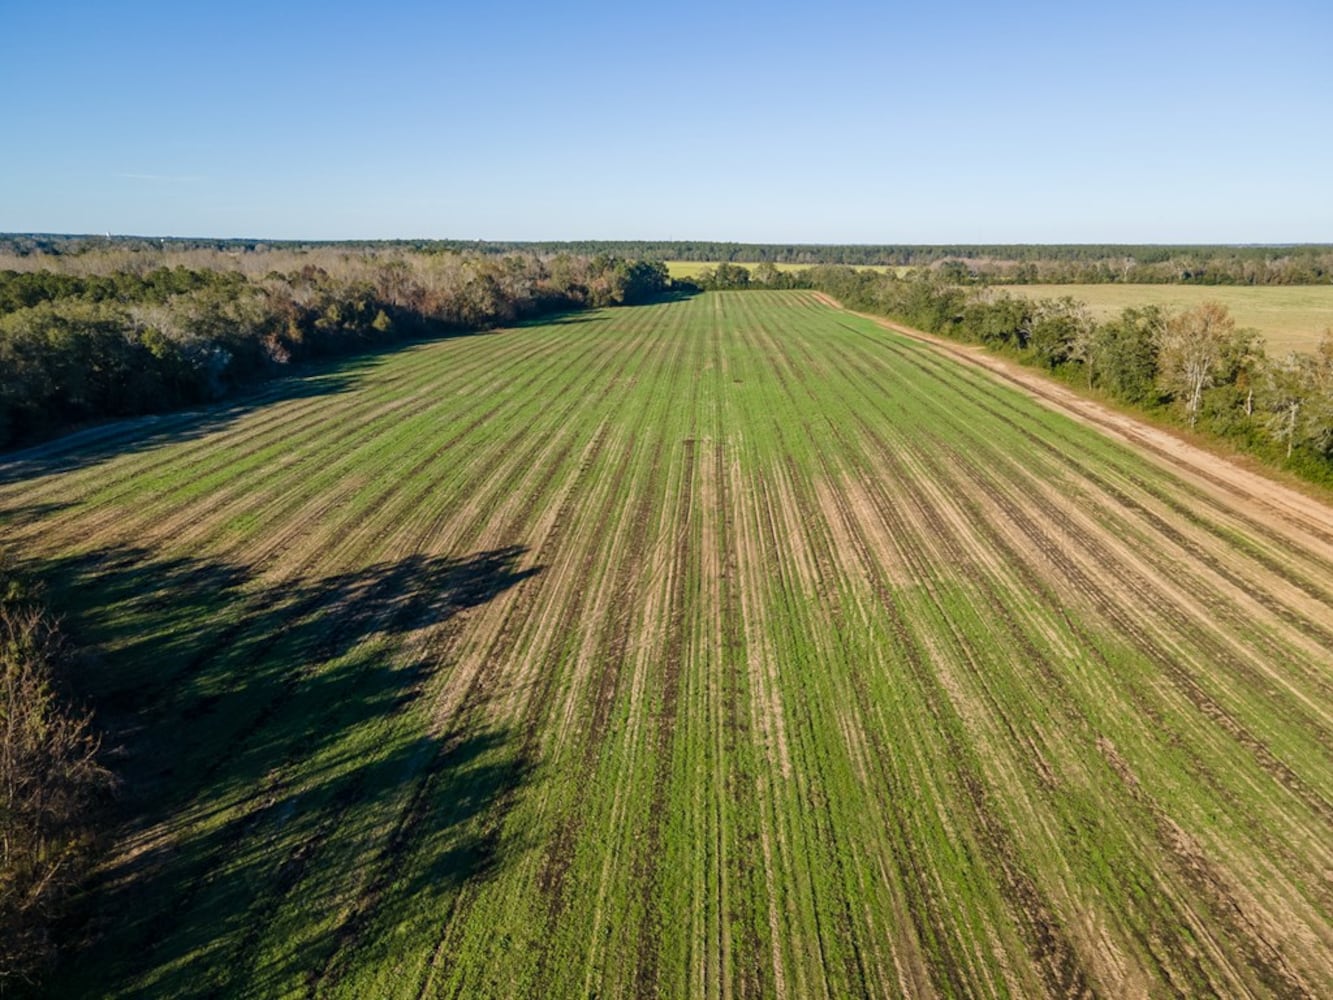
730	647
1290	318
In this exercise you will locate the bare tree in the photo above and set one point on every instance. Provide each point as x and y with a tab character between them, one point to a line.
1319	407
1288	387
1192	350
1297	393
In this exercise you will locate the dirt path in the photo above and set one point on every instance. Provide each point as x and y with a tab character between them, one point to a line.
1274	504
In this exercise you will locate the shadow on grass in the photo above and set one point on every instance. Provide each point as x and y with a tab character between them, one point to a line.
119	436
573	317
687	290
110	438
24	514
283	778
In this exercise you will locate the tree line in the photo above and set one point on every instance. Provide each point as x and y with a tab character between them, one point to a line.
995	263
1045	264
1195	366
118	334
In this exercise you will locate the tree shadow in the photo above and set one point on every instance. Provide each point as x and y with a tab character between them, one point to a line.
107	439
574	317
682	290
279	764
24	514
104	440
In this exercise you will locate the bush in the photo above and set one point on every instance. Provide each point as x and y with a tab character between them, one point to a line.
49	782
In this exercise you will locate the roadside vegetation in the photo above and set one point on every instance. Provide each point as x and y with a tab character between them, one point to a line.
732	646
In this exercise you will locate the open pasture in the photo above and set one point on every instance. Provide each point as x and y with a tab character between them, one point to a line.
1291	318
729	647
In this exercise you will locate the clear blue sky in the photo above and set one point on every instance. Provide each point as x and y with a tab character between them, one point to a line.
841	122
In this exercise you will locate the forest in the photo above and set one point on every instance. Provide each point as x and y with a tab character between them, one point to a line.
121	332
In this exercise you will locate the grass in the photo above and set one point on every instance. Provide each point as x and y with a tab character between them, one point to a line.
1290	318
727	647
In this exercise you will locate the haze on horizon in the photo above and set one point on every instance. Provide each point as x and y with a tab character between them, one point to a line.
872	123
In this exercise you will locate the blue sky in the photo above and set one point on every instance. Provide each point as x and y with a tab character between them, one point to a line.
767	122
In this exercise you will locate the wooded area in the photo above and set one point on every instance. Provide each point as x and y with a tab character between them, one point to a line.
118	333
996	263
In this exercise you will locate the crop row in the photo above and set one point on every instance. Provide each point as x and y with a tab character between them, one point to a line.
732	646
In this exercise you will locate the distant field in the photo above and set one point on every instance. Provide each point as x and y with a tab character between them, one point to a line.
1290	318
691	268
730	647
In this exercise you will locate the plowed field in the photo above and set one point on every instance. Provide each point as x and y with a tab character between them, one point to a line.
729	647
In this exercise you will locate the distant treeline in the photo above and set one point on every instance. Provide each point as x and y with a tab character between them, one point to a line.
1195	366
1295	264
118	333
1305	264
